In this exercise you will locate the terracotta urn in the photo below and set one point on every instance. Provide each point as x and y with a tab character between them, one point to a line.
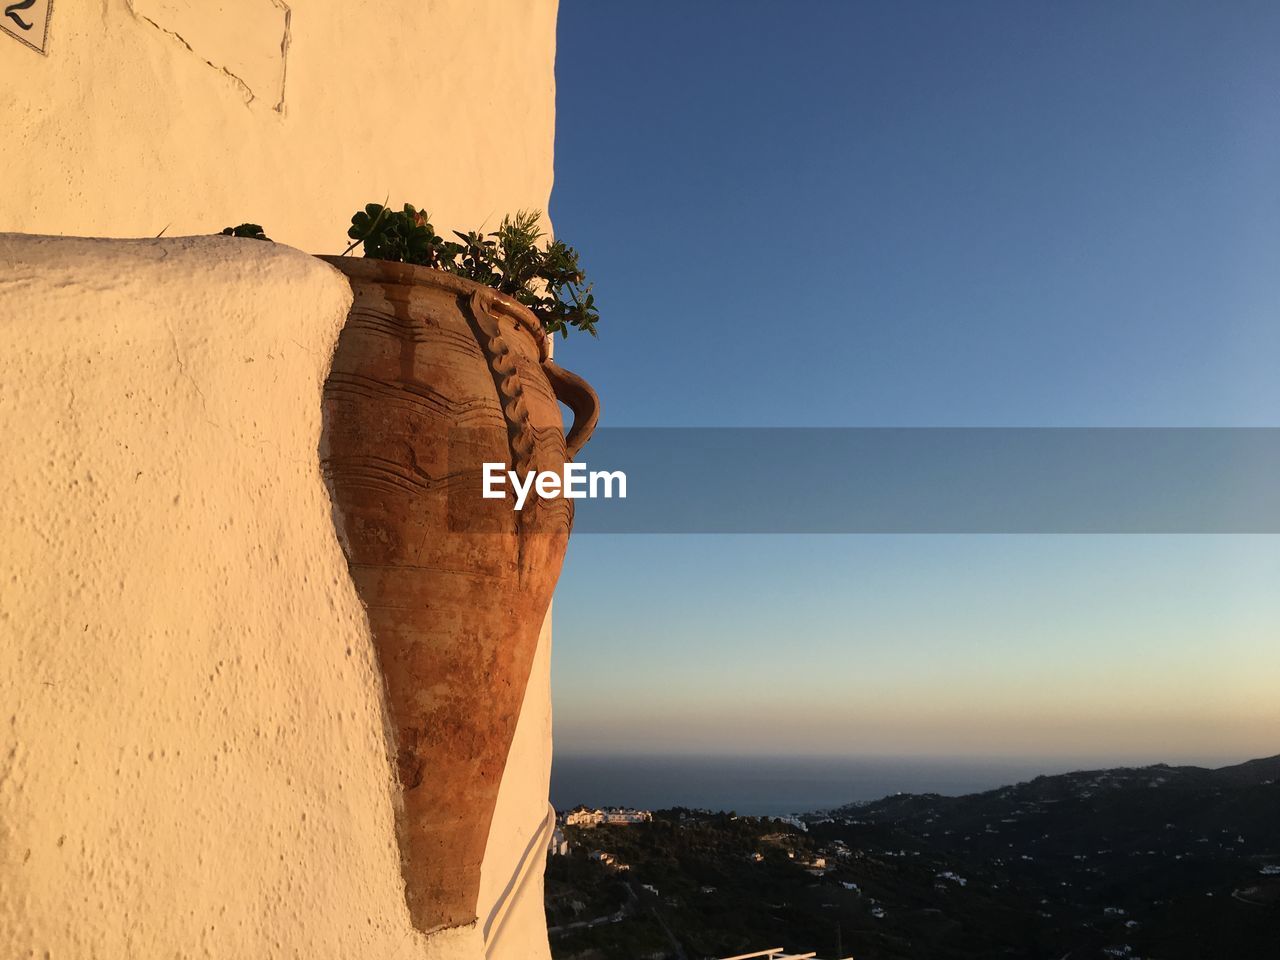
433	376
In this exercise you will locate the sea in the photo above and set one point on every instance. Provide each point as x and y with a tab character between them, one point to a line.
777	786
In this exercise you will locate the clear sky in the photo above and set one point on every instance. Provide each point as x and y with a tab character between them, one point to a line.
891	214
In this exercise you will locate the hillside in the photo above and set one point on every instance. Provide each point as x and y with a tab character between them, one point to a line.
1166	863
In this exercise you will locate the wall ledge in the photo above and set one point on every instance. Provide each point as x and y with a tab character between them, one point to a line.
192	752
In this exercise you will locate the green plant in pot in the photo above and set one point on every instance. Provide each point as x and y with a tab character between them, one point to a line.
546	278
443	365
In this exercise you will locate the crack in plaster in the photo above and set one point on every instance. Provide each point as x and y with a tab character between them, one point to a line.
285	41
244	87
182	371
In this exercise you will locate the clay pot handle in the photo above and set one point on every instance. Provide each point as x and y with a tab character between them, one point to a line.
575	393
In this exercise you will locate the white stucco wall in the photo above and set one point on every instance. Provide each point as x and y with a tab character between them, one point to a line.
194	762
513	916
155	114
178	669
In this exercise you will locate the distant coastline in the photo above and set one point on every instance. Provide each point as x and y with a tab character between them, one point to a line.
776	786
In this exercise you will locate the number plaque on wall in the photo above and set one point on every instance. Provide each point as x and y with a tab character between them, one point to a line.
28	20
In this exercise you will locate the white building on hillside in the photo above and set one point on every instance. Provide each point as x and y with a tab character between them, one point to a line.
614	816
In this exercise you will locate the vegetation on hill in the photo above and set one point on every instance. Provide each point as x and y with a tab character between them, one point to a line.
1164	863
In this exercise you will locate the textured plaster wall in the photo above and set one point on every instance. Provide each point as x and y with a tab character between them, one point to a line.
515	926
147	114
193	759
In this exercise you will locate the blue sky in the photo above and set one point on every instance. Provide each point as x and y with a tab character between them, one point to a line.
849	214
